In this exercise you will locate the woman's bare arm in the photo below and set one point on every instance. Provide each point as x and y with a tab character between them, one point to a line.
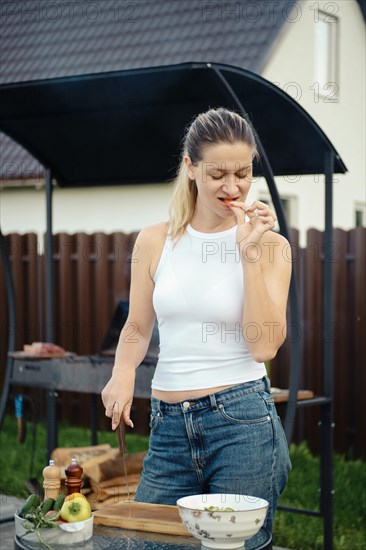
135	336
266	286
266	262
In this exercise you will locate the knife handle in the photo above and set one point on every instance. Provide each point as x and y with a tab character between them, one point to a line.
121	434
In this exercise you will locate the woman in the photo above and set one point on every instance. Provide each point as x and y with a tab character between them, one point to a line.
217	278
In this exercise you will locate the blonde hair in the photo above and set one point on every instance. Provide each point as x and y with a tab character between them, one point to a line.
219	125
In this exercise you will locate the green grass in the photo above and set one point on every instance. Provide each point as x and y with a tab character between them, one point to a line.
301	532
293	531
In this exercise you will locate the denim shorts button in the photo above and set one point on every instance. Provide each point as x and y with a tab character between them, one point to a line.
186	404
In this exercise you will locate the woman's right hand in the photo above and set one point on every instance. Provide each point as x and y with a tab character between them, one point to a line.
117	397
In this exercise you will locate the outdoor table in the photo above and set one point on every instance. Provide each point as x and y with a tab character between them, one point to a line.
108	538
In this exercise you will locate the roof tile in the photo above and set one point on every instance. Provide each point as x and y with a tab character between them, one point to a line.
72	38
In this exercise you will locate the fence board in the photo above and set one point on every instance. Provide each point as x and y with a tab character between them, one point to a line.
16	252
341	336
100	267
358	365
64	249
84	294
31	317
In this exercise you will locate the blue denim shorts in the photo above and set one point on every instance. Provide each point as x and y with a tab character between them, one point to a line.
231	441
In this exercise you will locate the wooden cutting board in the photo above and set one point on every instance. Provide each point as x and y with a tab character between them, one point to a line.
140	516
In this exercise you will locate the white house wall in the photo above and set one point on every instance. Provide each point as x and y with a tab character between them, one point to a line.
106	209
292	67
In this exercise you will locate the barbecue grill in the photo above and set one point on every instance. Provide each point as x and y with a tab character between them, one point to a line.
85	374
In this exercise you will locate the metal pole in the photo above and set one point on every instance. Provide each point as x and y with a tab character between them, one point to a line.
51	402
328	276
49	329
326	432
296	356
10	293
94	418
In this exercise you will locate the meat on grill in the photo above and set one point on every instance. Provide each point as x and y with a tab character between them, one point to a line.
44	348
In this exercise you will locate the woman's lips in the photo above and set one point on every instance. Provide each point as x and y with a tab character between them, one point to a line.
227	201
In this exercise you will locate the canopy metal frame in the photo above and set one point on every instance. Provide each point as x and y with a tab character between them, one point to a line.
328	159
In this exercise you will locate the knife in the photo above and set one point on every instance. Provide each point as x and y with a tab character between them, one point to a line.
121	433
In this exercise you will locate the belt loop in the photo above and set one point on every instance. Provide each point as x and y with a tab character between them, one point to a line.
157	406
267	383
213	402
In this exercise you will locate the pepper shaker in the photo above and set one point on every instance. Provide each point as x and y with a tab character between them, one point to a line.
73	474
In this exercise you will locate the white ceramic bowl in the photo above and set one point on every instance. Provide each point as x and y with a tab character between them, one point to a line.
223	529
58	537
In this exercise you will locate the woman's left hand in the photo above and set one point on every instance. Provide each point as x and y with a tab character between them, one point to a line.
261	219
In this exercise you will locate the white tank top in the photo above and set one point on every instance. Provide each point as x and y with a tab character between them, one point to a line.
198	301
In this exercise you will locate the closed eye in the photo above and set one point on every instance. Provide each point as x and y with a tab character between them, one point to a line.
220	177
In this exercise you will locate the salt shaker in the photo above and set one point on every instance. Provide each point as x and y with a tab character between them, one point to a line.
51	480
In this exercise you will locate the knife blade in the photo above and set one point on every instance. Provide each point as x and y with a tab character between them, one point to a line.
121	434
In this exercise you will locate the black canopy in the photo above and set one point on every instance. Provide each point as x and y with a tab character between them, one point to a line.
126	127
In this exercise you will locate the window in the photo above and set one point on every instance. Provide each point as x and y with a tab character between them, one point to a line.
360	214
326	56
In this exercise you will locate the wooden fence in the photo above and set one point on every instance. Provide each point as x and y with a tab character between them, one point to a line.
92	273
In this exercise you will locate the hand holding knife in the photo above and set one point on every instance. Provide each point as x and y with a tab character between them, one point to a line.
118	424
